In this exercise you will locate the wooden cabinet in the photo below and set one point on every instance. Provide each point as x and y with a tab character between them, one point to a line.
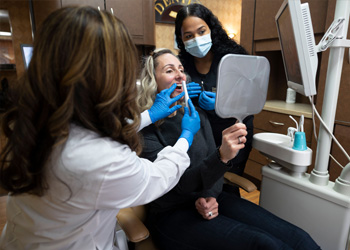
342	133
258	26
265	25
41	9
275	122
19	20
137	15
130	11
266	10
93	3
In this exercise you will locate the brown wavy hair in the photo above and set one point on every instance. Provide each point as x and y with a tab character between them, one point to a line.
82	71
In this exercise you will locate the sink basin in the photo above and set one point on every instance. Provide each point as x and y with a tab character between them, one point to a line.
278	147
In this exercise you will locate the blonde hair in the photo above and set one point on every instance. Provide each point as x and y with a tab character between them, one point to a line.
148	87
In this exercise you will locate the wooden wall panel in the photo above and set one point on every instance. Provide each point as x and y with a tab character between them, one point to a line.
265	25
21	28
247	25
343	111
342	133
266	10
42	8
6	47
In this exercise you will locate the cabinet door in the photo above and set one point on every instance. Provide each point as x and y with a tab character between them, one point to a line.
43	8
138	16
92	3
130	12
247	25
266	10
279	123
254	164
252	172
265	25
343	111
341	132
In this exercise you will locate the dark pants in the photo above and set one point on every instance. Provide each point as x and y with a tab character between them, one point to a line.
240	225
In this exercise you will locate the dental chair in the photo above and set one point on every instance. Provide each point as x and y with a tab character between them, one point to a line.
130	226
3	192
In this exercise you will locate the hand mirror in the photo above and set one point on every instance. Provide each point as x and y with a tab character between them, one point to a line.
242	83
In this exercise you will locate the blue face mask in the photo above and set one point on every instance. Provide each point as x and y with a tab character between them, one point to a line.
199	46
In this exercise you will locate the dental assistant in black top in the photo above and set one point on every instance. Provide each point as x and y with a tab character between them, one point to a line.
202	42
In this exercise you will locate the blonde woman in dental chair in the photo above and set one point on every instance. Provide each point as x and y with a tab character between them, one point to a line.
198	213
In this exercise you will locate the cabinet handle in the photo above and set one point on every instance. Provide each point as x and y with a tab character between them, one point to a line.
268	160
277	123
112	11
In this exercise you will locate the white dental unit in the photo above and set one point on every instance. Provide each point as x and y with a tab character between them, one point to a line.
287	190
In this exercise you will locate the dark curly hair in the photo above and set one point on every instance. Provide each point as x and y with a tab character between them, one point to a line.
222	44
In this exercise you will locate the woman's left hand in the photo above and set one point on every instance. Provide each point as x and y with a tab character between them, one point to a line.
207	100
233	139
207	207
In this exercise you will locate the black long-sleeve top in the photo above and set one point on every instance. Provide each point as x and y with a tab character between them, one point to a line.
204	177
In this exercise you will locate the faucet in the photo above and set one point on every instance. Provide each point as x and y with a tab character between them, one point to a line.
291	130
291	133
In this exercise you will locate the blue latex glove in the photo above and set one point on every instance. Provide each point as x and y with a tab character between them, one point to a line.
190	123
207	100
160	108
193	89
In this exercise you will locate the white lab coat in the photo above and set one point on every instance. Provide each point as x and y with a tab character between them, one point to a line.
90	178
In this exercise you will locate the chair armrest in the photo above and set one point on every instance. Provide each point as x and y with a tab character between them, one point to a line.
133	227
239	181
3	192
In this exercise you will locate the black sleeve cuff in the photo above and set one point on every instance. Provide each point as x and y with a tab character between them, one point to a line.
228	164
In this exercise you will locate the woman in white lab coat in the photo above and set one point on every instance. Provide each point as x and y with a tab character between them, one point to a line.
71	158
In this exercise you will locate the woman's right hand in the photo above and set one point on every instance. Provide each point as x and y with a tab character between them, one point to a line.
190	123
207	100
161	107
233	139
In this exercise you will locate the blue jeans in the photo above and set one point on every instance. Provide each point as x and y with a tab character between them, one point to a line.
240	225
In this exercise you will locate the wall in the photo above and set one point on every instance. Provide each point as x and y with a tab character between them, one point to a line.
21	32
227	11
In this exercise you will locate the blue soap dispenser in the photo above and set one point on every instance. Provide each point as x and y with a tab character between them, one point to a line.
299	137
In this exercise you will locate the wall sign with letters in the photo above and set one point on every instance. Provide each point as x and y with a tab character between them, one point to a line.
166	10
